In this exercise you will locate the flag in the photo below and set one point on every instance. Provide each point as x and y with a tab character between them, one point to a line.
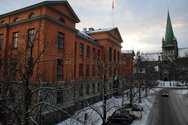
112	4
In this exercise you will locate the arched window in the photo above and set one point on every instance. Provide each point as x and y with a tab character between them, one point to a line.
110	54
3	22
31	15
16	19
62	20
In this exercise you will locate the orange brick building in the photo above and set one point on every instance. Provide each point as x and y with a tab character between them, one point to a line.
127	62
60	53
50	26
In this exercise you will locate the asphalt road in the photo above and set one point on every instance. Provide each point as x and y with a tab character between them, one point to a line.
168	111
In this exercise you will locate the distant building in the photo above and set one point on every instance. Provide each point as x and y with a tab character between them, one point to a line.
172	62
127	63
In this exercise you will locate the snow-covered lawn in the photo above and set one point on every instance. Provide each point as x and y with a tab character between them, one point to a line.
93	118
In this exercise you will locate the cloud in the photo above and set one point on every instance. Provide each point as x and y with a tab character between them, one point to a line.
141	23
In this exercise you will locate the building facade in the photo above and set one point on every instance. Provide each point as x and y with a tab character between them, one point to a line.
40	44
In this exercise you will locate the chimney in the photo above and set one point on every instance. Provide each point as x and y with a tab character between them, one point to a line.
91	29
84	30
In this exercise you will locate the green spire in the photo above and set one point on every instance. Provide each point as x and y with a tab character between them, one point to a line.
169	36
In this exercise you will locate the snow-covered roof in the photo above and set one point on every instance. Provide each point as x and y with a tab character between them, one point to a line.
183	52
87	37
91	30
150	56
127	51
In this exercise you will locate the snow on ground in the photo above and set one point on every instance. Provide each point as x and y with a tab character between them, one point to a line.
147	104
113	104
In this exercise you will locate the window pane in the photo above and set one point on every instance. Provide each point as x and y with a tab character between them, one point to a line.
60	39
15	40
110	54
88	51
81	49
80	69
31	33
59	96
98	54
1	41
59	69
93	53
81	90
114	55
93	70
87	88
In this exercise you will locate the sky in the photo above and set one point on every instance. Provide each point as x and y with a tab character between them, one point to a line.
142	23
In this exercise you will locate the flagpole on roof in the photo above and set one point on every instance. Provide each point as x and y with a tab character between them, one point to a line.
113	13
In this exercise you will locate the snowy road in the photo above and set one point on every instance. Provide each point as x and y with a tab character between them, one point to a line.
169	111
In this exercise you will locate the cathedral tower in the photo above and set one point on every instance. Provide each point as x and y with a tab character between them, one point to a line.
169	43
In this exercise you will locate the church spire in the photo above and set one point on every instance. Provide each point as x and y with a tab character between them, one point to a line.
169	36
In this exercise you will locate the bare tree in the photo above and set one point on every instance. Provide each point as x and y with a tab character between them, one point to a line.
26	94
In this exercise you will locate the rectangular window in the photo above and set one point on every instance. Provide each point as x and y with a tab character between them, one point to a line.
98	69
1	41
31	37
87	89
0	88
59	69
87	70
93	70
13	67
88	52
60	40
93	53
15	40
0	64
98	87
29	66
59	96
114	55
98	55
93	88
81	49
81	90
80	69
118	57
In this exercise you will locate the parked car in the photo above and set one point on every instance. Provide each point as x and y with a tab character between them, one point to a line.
121	118
134	107
134	114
